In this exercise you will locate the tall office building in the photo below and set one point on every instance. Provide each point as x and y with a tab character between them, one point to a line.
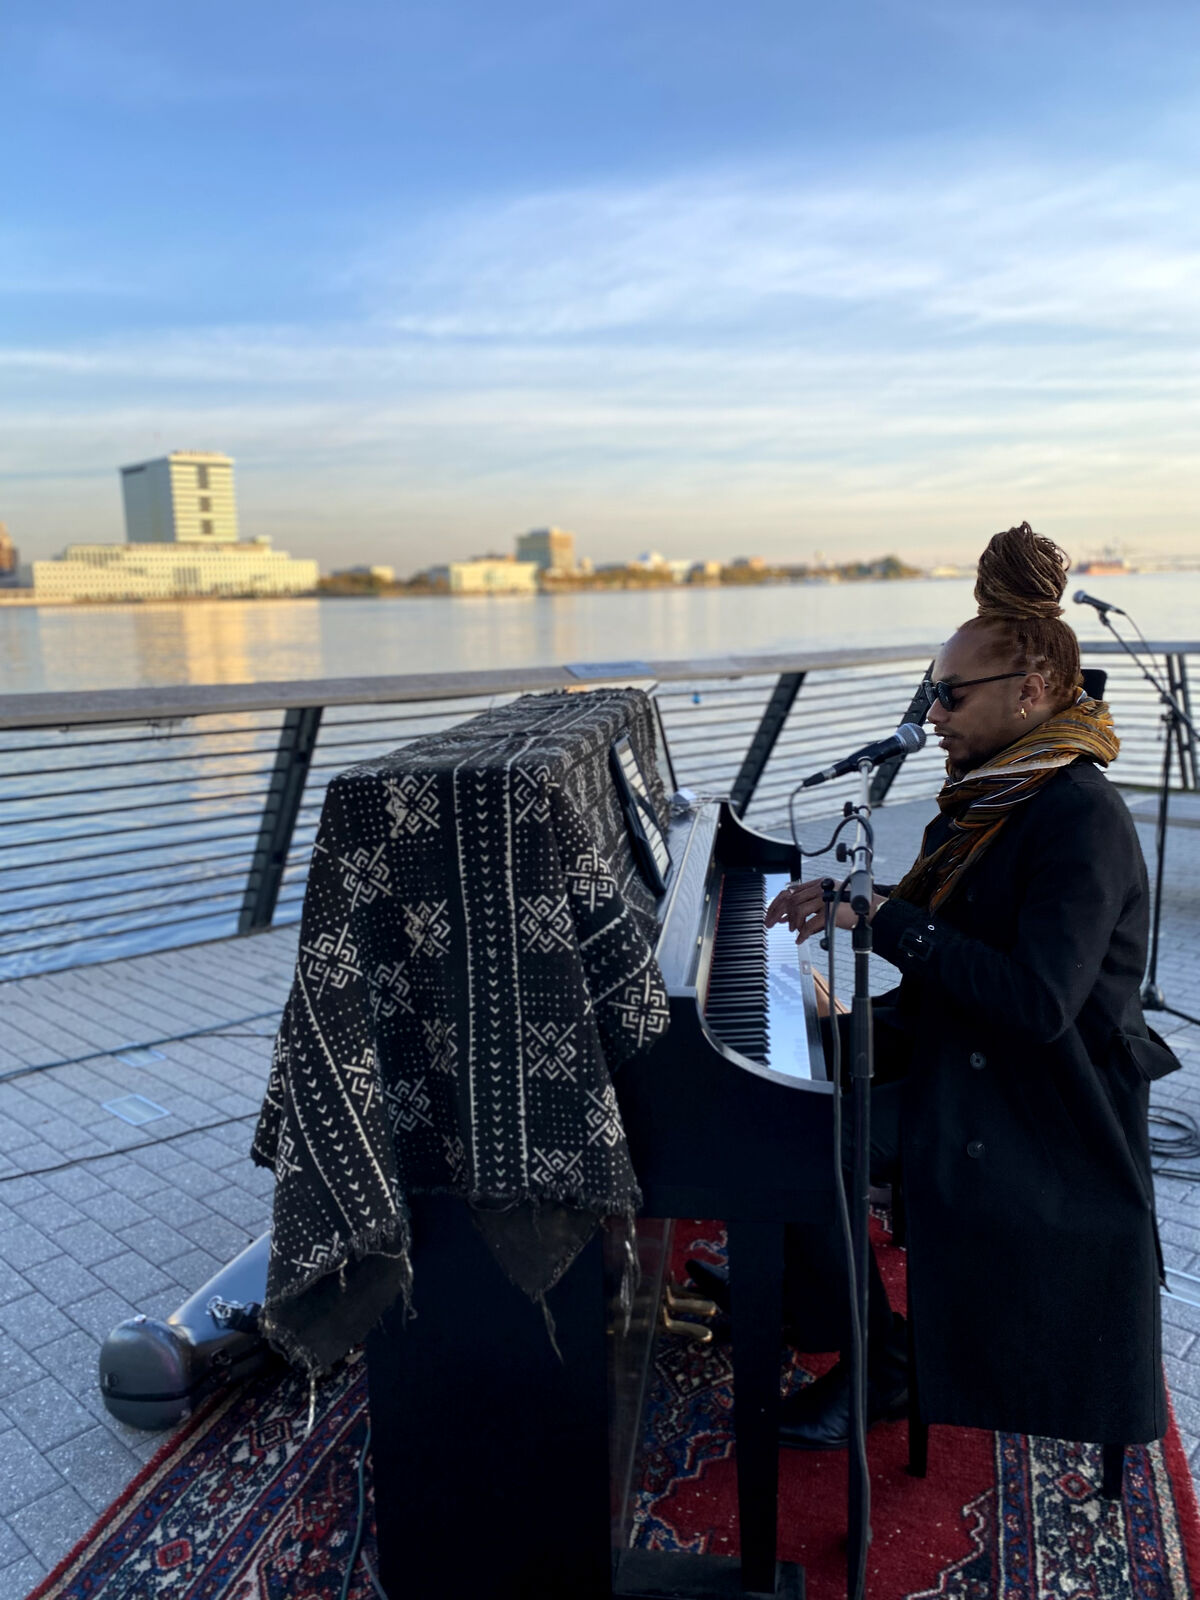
182	542
184	497
552	548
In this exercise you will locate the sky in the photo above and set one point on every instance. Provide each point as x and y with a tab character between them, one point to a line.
715	280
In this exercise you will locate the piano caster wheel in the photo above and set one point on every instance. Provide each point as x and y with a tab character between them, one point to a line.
700	1337
684	1297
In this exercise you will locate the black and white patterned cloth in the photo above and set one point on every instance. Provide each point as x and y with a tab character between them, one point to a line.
475	959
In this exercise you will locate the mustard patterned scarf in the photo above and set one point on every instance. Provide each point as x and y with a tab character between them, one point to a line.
982	801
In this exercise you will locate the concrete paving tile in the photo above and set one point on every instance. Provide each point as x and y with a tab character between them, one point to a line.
25	1474
249	1211
155	1240
49	1212
54	1524
193	1179
12	1546
24	1246
1177	1341
257	1180
17	1190
218	1236
73	1360
173	1206
89	1243
1187	1413
12	1134
1183	1378
1180	1233
100	1313
46	1413
33	1321
97	1465
132	1276
16	1581
13	1284
163	1303
62	1279
76	1184
209	1152
134	1181
157	1157
17	1367
193	1270
239	1105
116	1211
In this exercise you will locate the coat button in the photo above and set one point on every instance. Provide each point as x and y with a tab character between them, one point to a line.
975	1148
978	1059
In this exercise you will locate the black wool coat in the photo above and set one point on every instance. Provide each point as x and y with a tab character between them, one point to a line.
1033	1257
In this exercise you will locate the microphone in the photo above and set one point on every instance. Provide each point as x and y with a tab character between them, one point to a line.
1102	606
908	736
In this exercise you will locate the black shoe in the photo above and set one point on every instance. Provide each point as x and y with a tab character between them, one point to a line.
818	1418
711	1282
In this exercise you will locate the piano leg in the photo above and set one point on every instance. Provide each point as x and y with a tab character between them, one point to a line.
756	1305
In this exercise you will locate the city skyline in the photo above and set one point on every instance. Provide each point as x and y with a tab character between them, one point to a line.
888	279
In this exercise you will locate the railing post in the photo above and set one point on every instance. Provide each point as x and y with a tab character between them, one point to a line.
886	771
297	740
769	728
1186	745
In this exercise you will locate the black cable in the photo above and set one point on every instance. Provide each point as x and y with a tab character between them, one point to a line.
128	1149
858	1352
825	848
1181	1144
123	1049
361	1523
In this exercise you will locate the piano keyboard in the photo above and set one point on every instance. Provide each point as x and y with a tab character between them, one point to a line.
760	999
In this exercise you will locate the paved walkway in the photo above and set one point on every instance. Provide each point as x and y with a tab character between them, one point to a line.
117	1219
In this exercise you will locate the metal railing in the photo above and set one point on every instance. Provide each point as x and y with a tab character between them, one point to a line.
136	820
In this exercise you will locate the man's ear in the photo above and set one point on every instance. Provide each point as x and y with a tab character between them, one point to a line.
1033	690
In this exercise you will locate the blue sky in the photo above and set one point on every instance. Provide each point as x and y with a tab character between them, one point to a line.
712	279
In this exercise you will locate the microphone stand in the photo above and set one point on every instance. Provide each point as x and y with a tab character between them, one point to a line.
861	1071
1175	719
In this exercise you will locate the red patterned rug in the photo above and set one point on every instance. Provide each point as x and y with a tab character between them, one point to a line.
242	1504
999	1516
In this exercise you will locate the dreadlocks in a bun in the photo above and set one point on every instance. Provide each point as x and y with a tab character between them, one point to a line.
1019	583
1021	574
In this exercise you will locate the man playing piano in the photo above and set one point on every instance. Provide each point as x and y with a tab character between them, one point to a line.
1013	1060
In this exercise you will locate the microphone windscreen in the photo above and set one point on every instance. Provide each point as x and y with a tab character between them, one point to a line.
1079	597
913	735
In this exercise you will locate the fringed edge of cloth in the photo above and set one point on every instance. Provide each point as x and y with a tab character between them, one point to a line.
330	1324
387	1247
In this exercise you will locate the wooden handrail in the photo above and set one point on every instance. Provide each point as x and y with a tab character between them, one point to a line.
56	709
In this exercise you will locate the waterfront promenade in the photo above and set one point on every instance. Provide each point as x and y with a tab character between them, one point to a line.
118	1219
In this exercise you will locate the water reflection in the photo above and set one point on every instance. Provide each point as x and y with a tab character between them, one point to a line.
231	641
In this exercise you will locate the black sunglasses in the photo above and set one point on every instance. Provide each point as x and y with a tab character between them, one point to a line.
947	692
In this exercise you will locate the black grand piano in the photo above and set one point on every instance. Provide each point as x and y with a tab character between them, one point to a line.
501	1470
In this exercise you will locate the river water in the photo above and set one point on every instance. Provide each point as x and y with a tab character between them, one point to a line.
234	641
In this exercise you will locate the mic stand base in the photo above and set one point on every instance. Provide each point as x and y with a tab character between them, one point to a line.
1153	999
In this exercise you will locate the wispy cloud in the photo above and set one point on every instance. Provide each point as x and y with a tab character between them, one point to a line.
995	246
896	362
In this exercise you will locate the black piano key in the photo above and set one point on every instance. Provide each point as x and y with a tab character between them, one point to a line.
736	1004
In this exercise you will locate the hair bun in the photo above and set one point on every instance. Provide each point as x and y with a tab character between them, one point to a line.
1021	574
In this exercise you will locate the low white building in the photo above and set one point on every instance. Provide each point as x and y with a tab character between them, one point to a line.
488	575
179	570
